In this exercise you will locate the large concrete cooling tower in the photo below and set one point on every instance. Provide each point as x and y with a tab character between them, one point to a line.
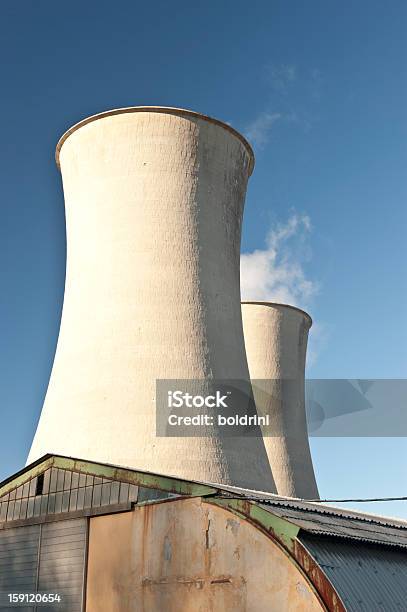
154	200
276	342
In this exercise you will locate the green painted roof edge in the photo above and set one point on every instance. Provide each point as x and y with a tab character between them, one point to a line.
132	476
26	474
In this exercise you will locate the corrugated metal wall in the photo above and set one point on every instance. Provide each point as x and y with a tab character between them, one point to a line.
19	561
62	561
48	557
367	577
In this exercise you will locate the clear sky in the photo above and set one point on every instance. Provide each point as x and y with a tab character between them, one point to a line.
320	90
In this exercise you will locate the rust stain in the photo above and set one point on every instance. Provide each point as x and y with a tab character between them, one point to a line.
320	581
221	581
151	582
200	581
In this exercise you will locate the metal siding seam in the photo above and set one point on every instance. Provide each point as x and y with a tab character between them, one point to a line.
85	565
37	579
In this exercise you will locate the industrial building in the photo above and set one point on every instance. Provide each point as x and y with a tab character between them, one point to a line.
119	540
109	515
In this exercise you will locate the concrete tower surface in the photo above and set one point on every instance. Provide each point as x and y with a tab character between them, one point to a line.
154	201
276	342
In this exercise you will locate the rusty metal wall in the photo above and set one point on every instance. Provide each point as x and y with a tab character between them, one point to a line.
187	556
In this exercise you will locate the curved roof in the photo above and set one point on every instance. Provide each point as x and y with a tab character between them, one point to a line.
366	576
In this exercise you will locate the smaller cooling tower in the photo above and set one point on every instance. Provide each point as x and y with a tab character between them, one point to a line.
276	342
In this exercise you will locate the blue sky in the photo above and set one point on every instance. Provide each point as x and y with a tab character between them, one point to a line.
320	90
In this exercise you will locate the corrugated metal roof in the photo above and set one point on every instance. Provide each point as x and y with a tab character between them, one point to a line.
367	577
295	502
324	521
314	517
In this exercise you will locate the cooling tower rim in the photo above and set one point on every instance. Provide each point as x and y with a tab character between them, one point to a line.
280	305
169	110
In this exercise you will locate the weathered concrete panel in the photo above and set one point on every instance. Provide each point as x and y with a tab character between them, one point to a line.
189	556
